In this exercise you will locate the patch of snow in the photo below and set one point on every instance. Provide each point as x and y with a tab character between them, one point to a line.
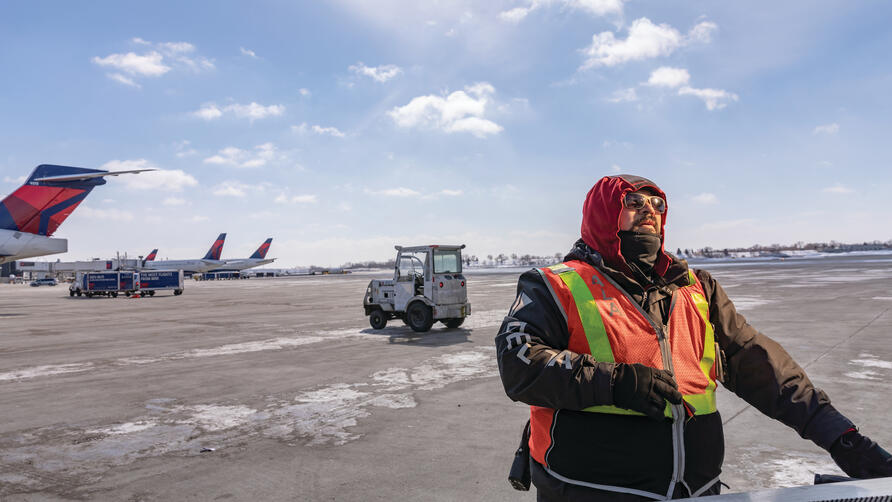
873	363
125	428
47	370
748	302
211	417
864	375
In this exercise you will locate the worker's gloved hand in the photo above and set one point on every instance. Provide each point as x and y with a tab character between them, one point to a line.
642	388
859	457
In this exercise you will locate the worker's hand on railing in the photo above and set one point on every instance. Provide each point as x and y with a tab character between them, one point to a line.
642	388
860	457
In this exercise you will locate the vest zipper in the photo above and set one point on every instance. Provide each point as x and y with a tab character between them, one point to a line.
678	412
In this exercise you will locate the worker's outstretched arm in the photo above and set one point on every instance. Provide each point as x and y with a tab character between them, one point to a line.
761	372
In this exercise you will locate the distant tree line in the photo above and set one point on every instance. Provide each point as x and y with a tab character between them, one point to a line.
779	249
531	260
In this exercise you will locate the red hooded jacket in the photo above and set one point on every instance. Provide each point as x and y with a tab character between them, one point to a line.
600	219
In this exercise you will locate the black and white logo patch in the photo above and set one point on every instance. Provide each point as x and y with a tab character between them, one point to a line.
522	301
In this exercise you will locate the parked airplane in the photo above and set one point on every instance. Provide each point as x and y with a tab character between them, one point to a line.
210	261
30	215
255	260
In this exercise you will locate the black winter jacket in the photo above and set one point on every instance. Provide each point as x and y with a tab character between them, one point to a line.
637	452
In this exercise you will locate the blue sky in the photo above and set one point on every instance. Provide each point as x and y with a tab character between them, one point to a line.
341	128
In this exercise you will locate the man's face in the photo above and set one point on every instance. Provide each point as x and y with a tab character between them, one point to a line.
643	219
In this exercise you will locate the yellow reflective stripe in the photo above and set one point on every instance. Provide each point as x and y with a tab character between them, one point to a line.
708	358
616	410
704	404
595	332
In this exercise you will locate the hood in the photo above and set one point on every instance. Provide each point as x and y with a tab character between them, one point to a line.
600	219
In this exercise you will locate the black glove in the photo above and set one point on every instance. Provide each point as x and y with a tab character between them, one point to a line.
642	388
859	457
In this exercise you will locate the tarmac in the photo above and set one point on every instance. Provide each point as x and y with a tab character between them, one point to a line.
278	389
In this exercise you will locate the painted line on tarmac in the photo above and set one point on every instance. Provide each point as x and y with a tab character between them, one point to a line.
51	457
491	318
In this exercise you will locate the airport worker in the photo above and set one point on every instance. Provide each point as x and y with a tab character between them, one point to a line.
618	351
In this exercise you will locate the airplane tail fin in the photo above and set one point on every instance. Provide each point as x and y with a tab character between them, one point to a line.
262	250
49	195
151	256
216	249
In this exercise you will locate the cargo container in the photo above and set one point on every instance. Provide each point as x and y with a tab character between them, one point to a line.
91	284
160	280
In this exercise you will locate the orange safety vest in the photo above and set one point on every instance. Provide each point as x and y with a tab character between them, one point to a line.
605	322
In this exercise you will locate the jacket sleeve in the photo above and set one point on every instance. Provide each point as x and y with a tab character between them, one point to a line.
761	372
534	363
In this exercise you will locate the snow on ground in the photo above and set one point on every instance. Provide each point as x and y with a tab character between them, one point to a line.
477	320
324	415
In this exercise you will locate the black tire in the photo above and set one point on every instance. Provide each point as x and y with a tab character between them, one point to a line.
419	317
78	292
114	294
177	292
142	294
454	322
70	293
89	295
152	293
377	319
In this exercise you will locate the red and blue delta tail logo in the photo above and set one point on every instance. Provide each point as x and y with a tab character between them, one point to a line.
262	250
217	249
151	256
42	204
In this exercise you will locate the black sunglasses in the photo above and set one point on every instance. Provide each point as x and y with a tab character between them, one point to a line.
637	201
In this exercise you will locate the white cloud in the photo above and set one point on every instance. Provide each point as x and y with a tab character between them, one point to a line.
715	99
146	65
160	179
646	40
252	111
304	91
106	214
838	188
158	60
296	199
317	129
255	111
515	15
381	73
666	76
706	198
208	112
198	219
460	111
623	96
394	192
451	193
173	201
234	189
124	80
236	157
594	7
17	179
615	169
183	149
827	129
247	52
